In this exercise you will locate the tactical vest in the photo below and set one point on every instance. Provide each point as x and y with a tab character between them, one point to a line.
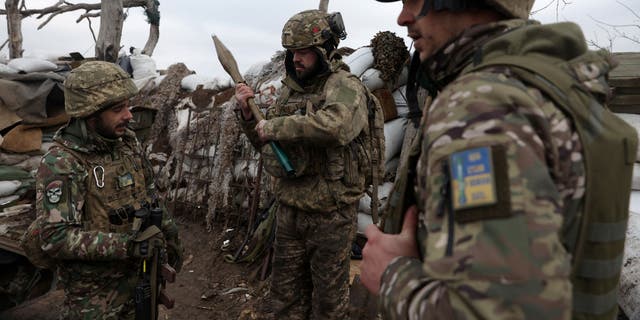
609	153
115	187
362	155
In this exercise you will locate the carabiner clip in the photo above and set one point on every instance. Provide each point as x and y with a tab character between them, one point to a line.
99	181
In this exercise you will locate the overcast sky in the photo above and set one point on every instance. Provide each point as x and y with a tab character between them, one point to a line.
251	29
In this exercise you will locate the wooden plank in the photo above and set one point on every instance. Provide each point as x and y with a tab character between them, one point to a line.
627	74
633	82
626	100
625	109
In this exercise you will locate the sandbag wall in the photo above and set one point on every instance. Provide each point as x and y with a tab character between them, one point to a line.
382	68
31	110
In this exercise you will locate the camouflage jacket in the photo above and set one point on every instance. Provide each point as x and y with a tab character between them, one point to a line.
81	182
316	125
493	251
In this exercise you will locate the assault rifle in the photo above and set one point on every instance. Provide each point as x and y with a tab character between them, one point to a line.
154	272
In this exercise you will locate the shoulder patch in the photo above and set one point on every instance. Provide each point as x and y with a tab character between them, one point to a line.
472	178
54	191
479	184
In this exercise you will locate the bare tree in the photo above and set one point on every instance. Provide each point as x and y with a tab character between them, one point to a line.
621	30
324	5
111	20
153	17
14	28
92	10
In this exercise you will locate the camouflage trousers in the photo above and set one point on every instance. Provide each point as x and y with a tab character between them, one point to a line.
106	296
310	270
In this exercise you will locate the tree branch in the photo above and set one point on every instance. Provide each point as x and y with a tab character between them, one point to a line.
4	44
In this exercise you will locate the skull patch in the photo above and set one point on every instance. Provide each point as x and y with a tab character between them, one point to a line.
54	191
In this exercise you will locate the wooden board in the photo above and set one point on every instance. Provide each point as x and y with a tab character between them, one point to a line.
625	83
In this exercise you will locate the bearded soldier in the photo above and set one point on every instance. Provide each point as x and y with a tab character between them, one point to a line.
320	119
517	191
89	186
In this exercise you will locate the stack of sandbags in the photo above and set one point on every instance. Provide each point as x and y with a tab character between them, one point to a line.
31	111
17	197
382	69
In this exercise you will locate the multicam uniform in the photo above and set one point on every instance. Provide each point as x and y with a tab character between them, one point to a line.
317	126
87	189
494	251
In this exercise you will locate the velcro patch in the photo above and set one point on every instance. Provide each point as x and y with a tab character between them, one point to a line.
479	184
472	178
53	191
125	180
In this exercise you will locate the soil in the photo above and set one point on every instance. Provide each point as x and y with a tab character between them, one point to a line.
207	287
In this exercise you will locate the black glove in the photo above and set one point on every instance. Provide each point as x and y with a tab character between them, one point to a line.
144	242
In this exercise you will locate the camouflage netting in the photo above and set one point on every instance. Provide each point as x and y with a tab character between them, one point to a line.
389	54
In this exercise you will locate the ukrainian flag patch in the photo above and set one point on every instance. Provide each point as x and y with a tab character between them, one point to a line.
472	178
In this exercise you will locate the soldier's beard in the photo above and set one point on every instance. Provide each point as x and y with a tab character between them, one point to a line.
107	132
307	73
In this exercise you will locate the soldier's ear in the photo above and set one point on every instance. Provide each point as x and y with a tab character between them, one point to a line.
91	121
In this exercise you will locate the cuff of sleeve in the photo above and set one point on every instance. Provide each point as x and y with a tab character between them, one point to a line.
269	128
394	282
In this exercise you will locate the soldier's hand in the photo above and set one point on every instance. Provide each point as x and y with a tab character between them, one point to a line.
143	244
260	130
243	92
382	248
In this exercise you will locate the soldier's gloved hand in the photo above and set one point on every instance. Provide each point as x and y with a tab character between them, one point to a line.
144	242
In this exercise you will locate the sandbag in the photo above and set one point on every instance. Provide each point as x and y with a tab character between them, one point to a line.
359	61
27	65
371	79
391	167
393	136
364	220
8	187
364	204
6	69
403	77
143	66
400	98
192	81
7	117
22	139
387	103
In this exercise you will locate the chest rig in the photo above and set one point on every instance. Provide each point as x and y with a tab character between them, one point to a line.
306	160
115	188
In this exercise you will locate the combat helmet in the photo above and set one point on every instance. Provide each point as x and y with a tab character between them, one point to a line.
510	8
95	85
312	28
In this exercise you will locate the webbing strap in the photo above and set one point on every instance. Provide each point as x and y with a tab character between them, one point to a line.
606	232
595	303
600	269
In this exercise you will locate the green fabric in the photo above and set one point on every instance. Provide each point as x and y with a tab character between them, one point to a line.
608	144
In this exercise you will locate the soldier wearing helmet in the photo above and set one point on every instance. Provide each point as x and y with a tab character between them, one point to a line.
494	194
89	185
320	119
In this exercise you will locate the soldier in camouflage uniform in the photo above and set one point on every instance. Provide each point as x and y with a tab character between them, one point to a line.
499	175
89	185
319	119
